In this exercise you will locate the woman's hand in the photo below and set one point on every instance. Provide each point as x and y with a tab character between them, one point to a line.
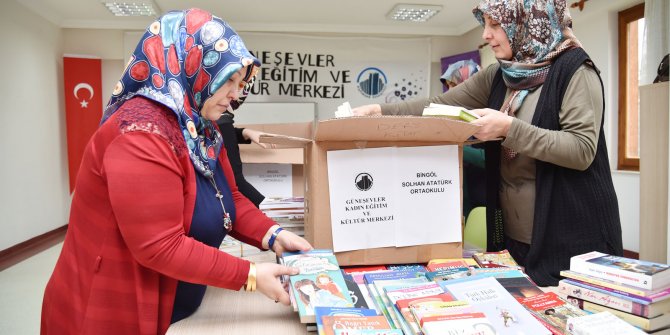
288	241
367	110
268	281
494	124
255	136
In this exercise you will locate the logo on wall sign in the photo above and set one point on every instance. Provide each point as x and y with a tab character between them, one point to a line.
363	181
371	82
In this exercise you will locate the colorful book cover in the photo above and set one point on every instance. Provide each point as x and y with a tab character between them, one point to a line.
505	313
550	308
601	323
335	322
320	312
403	307
467	323
637	273
402	267
370	278
455	263
468	261
320	282
448	274
612	286
497	273
567	287
520	287
495	259
380	285
355	293
399	292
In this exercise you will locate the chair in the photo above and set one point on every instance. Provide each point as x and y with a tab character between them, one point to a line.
475	228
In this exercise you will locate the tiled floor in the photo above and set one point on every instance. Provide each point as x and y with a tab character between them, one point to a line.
21	291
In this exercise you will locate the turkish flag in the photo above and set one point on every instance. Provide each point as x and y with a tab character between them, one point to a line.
83	107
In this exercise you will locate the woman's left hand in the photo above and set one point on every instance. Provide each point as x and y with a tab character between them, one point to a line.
288	241
494	124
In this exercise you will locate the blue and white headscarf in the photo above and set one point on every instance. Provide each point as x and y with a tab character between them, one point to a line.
183	58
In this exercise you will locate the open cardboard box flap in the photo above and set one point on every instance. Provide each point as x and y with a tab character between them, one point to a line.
381	128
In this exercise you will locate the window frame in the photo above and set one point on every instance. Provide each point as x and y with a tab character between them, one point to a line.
624	161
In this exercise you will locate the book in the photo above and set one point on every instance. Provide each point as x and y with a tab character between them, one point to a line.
377	296
403	306
600	323
396	293
357	297
422	309
627	290
520	287
335	322
651	324
467	323
506	314
320	312
500	258
319	284
452	112
552	309
633	272
368	332
567	287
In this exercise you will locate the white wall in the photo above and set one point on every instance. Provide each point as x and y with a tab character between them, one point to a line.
33	172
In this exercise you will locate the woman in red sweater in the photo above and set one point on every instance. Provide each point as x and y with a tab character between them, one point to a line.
156	195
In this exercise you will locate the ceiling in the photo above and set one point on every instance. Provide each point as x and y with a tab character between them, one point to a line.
366	17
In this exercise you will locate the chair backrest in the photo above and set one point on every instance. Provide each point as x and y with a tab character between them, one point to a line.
475	228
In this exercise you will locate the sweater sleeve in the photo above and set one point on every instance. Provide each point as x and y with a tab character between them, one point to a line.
146	189
574	146
251	223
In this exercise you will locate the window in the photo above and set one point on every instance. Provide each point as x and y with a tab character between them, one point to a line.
631	28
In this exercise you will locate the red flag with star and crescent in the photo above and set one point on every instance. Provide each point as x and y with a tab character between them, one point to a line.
83	107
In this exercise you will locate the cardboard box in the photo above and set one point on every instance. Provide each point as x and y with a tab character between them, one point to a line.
369	132
283	154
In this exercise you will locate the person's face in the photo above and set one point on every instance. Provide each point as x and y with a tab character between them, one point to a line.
497	39
219	102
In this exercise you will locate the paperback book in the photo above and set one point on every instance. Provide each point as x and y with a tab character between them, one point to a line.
320	312
647	324
506	314
341	322
601	323
452	112
567	287
551	309
616	287
319	284
637	273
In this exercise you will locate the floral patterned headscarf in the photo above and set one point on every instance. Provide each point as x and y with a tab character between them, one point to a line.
182	59
538	31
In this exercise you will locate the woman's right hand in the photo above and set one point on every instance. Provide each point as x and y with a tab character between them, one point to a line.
268	281
367	110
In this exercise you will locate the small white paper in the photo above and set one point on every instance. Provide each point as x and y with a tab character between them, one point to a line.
428	195
272	180
394	197
361	192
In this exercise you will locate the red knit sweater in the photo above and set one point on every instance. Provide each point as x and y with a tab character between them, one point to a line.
127	244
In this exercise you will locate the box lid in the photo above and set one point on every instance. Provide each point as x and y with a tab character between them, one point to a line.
383	128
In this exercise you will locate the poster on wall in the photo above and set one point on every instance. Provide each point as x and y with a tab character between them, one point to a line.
82	78
332	70
461	61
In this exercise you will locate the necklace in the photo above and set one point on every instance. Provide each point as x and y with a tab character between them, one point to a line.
227	222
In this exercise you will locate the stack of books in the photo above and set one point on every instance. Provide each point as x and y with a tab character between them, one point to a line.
289	213
636	291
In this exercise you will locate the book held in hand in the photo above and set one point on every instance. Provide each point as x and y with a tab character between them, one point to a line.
642	274
319	284
452	112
